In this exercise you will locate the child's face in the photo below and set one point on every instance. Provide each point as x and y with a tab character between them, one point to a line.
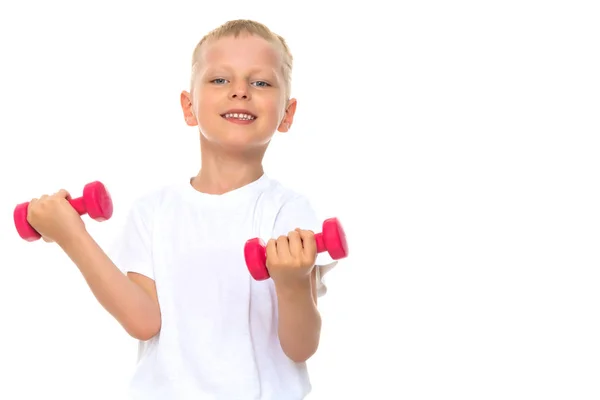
239	76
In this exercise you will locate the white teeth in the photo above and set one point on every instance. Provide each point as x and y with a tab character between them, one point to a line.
239	116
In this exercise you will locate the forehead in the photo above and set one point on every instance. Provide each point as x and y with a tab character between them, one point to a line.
245	51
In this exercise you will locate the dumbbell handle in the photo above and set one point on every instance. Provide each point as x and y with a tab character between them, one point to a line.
331	239
263	250
79	205
320	243
318	238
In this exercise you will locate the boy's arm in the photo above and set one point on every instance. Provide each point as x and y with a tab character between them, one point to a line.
299	319
299	326
132	300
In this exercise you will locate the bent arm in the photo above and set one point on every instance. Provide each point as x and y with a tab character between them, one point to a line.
130	300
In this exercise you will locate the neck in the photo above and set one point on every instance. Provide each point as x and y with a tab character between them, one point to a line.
222	171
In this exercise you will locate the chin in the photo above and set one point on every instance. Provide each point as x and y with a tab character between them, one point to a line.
237	137
237	143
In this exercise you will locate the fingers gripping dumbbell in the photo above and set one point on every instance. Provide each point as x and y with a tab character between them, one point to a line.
96	202
332	240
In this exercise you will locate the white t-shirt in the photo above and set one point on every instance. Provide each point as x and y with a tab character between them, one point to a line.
218	338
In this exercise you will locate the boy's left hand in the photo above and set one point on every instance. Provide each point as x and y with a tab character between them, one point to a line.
291	258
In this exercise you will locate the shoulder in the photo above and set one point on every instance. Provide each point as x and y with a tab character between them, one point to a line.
157	194
149	202
284	196
292	208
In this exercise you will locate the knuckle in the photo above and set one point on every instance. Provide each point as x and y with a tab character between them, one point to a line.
284	262
308	259
293	262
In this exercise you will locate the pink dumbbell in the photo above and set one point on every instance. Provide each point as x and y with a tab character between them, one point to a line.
332	240
96	202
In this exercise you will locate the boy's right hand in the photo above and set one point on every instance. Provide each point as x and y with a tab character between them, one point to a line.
53	217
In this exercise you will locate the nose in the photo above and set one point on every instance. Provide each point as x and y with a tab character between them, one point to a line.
240	92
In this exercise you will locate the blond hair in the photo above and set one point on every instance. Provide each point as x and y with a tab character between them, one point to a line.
238	27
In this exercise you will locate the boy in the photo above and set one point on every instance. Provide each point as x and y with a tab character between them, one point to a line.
177	280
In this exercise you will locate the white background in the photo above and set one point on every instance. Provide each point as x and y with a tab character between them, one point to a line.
458	142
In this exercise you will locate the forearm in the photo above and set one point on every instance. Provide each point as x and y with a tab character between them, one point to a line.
123	299
299	321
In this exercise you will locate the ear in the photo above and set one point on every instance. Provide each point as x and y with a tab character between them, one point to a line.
188	112
288	118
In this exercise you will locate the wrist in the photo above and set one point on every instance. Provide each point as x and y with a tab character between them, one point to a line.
294	288
74	241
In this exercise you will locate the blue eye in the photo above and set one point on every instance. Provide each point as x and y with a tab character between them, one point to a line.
219	81
262	83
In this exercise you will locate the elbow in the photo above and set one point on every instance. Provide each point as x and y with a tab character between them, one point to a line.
145	330
301	355
143	335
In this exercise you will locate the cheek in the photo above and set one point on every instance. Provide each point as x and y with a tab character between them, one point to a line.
205	104
275	109
206	113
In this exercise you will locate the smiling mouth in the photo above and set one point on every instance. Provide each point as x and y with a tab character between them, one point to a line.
239	116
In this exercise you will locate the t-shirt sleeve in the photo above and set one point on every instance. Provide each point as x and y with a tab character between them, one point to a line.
299	213
131	250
